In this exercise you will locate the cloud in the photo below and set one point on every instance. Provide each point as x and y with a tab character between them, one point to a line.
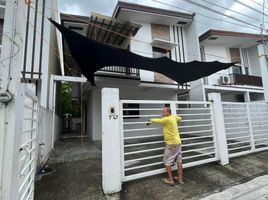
72	9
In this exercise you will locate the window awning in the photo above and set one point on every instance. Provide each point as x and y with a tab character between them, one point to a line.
91	56
164	44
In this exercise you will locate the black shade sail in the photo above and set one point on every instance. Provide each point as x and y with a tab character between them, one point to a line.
91	56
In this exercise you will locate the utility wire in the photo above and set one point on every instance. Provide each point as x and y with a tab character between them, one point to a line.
220	13
231	10
250	7
259	4
213	18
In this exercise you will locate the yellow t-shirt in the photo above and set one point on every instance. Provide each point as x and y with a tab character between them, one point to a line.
170	128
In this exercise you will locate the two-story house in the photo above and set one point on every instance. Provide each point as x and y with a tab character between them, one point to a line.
240	83
147	31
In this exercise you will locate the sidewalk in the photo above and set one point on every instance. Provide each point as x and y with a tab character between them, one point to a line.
77	175
254	189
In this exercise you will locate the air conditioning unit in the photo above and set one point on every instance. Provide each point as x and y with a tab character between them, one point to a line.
224	80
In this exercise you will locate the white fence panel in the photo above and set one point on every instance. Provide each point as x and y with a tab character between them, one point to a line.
259	125
143	146
27	133
197	132
237	128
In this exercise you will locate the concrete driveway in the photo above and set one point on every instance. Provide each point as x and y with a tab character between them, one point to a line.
77	175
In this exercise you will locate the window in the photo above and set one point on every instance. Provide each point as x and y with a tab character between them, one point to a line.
237	69
158	52
235	55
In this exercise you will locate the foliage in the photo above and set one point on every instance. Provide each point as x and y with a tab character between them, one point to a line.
67	106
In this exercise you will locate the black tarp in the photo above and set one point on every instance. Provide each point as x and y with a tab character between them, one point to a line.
91	56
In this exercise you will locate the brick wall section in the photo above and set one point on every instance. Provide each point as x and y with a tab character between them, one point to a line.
161	32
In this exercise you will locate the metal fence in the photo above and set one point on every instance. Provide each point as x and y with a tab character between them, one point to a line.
143	146
259	125
246	127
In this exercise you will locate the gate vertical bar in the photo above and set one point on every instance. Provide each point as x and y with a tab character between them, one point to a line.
121	118
214	130
252	142
219	127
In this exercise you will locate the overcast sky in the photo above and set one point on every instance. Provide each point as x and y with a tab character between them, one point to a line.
240	15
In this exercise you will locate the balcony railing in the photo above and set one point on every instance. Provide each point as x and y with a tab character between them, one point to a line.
121	71
242	79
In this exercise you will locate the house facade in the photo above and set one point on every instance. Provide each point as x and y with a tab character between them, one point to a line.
147	31
242	82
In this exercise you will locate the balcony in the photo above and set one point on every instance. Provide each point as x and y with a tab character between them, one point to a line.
242	79
120	71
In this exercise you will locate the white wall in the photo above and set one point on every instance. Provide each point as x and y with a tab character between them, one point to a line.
197	93
143	48
255	69
191	42
221	54
94	114
44	142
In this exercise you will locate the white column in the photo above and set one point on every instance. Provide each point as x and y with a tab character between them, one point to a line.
219	127
111	153
10	73
264	70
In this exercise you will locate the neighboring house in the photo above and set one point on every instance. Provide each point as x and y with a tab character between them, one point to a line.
29	49
240	83
150	32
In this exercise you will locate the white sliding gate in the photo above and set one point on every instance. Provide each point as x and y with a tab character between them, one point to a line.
26	131
246	127
142	146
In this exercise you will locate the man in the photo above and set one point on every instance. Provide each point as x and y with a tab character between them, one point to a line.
172	140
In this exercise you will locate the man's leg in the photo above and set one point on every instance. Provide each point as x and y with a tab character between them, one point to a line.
180	172
169	172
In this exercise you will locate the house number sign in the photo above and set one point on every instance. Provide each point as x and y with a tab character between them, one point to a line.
112	114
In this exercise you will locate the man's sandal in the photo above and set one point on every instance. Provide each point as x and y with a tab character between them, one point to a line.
179	180
165	180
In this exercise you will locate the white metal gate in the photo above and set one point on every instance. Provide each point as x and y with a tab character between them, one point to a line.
246	126
26	131
142	146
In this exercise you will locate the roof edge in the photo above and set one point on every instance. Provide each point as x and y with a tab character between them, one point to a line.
211	32
148	9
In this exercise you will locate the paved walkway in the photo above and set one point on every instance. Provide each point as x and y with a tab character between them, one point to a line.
254	189
77	175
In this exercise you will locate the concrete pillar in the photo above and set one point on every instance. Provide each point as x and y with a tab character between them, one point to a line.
111	141
219	127
10	73
263	59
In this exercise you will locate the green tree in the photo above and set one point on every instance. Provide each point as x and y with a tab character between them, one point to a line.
67	105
